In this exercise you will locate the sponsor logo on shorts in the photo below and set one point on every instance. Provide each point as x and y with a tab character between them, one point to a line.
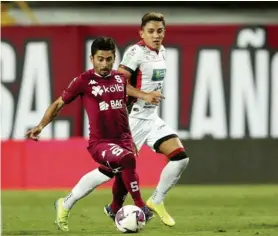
149	105
161	126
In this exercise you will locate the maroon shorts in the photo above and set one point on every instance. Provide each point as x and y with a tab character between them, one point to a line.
109	154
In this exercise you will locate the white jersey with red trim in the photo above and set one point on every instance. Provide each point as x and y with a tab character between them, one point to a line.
148	70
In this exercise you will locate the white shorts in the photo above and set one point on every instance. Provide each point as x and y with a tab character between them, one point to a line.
150	132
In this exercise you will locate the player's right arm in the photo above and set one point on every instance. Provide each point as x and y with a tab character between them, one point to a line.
74	89
130	62
51	112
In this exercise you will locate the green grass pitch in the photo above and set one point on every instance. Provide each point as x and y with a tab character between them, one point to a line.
198	210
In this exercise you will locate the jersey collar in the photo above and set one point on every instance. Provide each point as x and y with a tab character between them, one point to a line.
95	73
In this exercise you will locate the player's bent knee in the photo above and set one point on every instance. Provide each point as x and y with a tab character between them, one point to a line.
178	155
106	171
128	161
157	144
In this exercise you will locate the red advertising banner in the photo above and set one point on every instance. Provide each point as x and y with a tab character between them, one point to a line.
60	164
220	82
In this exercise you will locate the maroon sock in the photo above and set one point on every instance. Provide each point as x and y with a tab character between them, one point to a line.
119	194
131	179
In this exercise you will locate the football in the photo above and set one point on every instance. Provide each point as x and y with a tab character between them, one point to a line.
130	219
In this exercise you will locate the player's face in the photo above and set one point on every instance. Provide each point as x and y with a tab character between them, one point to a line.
153	33
103	62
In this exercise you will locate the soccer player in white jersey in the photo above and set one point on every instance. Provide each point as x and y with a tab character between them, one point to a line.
144	64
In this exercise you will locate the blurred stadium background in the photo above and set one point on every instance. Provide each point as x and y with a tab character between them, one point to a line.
221	97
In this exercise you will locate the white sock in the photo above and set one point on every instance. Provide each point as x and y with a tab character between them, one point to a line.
168	178
85	185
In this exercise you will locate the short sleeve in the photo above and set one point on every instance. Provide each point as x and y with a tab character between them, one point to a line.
74	89
131	59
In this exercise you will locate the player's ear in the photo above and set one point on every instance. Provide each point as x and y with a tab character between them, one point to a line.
164	33
141	33
92	59
113	59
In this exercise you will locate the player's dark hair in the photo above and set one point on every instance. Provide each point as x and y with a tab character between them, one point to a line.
152	16
104	44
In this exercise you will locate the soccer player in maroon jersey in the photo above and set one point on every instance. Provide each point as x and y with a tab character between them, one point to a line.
103	94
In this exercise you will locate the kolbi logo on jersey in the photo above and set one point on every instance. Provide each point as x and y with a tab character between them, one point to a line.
99	90
96	90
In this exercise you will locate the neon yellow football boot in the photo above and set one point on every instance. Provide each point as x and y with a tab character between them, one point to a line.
160	210
62	215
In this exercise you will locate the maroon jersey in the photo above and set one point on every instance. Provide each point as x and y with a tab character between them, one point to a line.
104	101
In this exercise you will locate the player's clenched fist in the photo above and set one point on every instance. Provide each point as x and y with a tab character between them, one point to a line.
34	133
153	97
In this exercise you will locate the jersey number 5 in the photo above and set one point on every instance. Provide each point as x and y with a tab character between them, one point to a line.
134	186
118	78
116	150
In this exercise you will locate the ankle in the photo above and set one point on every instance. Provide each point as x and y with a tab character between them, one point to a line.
140	203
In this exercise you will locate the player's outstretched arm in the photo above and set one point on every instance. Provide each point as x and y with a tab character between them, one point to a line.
51	112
